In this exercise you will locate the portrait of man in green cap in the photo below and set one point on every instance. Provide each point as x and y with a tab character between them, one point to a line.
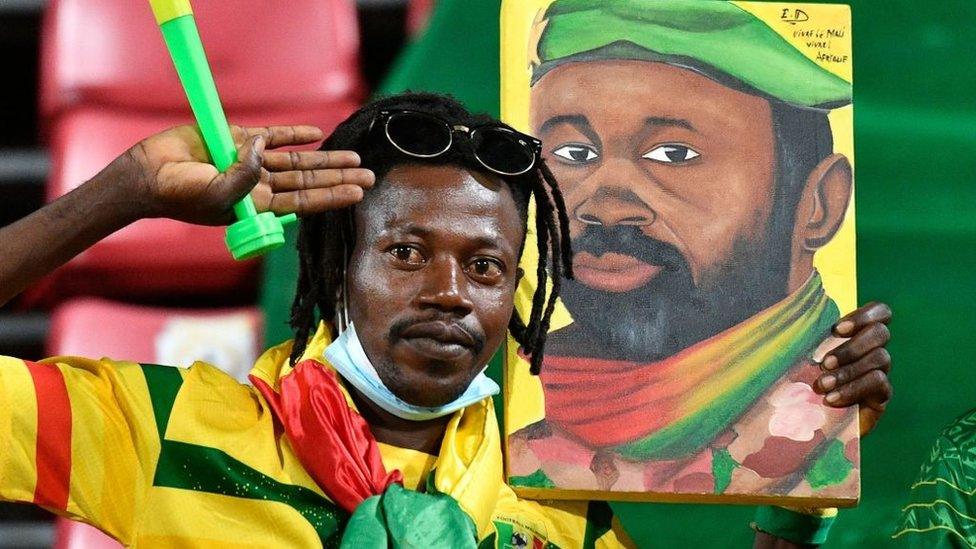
693	147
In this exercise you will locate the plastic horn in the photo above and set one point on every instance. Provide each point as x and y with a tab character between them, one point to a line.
254	233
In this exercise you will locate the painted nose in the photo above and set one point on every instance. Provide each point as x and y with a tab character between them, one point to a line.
612	207
446	289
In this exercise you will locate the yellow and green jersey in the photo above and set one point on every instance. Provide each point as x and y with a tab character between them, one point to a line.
161	456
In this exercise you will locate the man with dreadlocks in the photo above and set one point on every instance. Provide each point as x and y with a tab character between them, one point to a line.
376	427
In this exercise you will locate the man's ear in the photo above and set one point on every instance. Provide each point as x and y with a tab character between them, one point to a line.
826	195
519	273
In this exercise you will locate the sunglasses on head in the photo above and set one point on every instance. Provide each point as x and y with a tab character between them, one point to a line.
421	135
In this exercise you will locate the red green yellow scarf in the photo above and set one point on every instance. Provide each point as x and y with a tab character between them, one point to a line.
674	407
338	450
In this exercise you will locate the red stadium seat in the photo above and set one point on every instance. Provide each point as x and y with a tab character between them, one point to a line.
230	339
265	54
107	82
152	256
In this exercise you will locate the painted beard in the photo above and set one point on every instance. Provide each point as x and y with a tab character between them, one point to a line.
671	312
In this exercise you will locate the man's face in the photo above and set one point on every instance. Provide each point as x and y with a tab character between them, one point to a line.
669	183
432	277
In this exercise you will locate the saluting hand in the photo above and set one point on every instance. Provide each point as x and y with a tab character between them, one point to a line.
173	178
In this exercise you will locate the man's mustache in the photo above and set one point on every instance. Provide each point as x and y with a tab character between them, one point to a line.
629	240
400	326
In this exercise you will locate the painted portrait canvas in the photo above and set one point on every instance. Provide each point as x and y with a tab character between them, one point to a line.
704	152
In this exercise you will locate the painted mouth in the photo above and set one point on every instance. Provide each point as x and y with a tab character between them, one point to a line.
613	272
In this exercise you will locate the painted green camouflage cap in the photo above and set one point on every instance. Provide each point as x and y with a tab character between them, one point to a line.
714	37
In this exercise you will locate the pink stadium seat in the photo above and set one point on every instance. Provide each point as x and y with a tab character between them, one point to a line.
230	339
418	13
69	534
108	82
152	256
265	54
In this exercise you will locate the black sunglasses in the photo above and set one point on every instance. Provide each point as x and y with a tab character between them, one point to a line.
421	135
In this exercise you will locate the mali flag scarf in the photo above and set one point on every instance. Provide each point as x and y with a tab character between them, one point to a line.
339	452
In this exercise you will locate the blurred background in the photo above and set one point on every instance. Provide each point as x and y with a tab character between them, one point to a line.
86	79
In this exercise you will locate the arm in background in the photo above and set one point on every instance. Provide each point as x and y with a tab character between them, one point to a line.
168	175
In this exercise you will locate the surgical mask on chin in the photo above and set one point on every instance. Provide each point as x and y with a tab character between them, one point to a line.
347	356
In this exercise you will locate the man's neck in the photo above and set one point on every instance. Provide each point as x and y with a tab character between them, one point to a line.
423	436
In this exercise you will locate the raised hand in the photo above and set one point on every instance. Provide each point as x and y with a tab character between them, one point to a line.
172	177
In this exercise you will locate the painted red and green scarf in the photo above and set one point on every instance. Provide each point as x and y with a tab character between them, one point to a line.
674	407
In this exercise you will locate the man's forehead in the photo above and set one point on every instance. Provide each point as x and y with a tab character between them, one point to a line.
436	189
426	199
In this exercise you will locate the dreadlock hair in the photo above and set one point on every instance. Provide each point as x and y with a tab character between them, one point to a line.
326	240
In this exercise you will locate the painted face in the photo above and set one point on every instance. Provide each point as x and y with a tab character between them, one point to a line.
669	180
432	277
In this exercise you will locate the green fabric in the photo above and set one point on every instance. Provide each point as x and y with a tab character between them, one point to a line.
164	384
457	55
599	520
789	525
278	289
490	541
203	469
696	430
404	518
942	508
916	237
715	35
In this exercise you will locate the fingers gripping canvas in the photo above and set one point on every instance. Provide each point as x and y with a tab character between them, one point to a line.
704	150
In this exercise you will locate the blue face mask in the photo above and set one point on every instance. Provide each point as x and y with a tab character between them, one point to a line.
347	356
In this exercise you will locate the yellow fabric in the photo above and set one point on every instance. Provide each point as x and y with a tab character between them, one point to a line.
199	519
113	440
215	411
413	464
115	448
18	432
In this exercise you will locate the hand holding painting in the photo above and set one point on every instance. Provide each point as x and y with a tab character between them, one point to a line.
254	233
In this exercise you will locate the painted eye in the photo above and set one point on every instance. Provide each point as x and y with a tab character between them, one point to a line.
407	254
672	153
576	153
486	268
